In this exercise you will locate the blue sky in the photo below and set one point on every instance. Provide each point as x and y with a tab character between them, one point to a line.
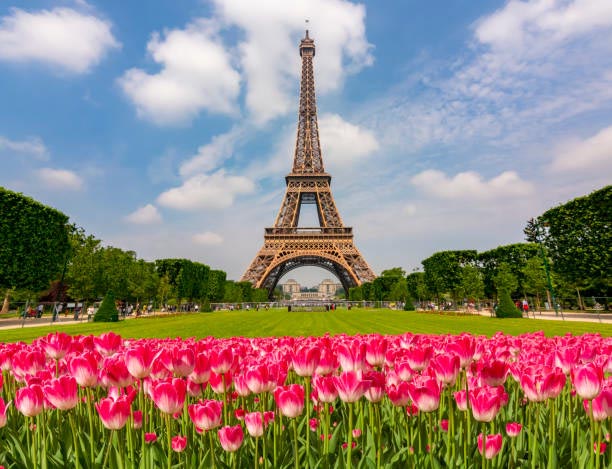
167	127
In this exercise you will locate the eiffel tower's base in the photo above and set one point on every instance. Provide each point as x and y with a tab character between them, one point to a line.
286	249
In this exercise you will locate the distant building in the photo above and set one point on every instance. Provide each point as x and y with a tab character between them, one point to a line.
290	287
326	290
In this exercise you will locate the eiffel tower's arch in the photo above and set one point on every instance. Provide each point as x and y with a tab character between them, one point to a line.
292	261
288	246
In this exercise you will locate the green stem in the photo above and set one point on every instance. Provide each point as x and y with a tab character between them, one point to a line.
256	440
592	447
307	404
483	459
349	436
534	436
429	438
89	398
110	440
295	445
597	453
212	449
378	435
169	438
75	441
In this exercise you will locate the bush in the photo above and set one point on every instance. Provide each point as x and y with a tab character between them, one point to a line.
107	312
206	307
506	308
409	305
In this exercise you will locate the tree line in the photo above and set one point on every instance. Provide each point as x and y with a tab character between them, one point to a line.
41	252
572	240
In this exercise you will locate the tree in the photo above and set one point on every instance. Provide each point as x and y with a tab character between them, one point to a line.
472	284
216	285
107	312
84	265
515	256
34	241
356	294
399	290
443	271
535	279
505	280
417	288
578	236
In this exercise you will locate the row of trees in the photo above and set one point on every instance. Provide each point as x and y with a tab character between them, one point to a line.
573	240
39	246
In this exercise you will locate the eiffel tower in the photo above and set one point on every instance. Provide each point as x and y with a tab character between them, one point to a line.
330	245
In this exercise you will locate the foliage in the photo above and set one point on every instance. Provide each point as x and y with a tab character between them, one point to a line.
216	285
534	276
356	294
472	284
578	236
506	308
107	312
514	256
443	270
505	280
417	288
409	305
34	241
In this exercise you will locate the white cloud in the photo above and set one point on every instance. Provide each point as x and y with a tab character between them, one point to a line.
203	191
207	238
62	179
344	143
211	155
61	37
144	215
269	55
196	74
32	146
470	185
593	154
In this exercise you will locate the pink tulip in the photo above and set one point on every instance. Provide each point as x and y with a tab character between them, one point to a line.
222	361
26	363
206	415
240	385
492	445
494	373
231	437
446	368
513	429
403	370
290	400
179	443
464	347
324	389
566	358
461	400
169	395
351	355
485	403
399	395
137	419
84	368
180	361
444	425
201	369
150	437
376	348
258	379
587	380
376	390
139	361
29	400
62	392
544	384
418	357
327	362
254	424
305	360
3	409
220	383
425	394
113	413
108	343
351	386
602	405
56	345
114	372
602	447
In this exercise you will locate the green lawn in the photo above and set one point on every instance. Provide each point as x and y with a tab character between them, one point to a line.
281	322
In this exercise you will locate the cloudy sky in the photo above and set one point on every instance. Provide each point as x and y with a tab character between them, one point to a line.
167	127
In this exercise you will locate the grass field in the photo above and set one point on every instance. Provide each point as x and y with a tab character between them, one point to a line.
280	322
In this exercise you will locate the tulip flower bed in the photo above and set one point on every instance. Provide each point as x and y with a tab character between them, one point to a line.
333	401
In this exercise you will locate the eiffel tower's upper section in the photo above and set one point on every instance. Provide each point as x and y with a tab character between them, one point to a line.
307	159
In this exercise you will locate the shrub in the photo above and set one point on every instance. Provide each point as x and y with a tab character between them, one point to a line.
107	312
506	308
409	305
206	307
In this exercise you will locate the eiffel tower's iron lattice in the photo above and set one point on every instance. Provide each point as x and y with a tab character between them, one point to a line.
330	245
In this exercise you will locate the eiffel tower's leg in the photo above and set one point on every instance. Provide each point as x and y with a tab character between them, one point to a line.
258	267
289	212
